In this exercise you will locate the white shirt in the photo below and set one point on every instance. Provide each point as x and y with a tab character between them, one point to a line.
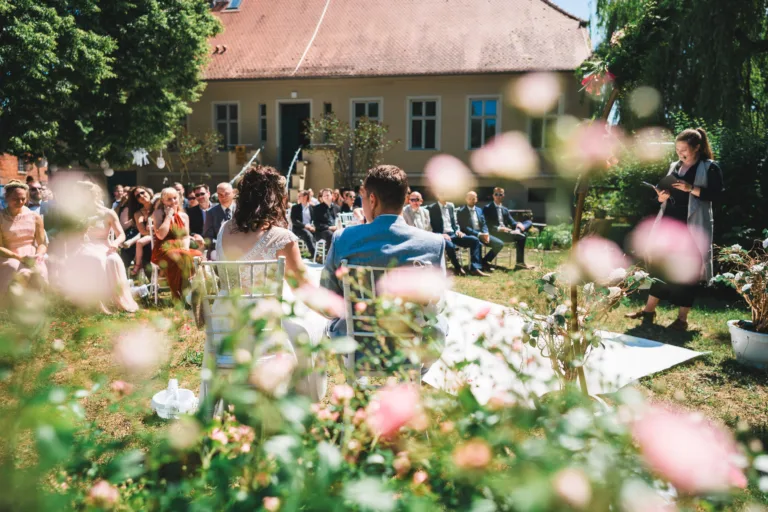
306	216
447	226
501	216
418	218
473	217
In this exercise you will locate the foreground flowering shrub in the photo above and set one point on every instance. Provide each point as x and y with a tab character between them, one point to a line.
392	445
748	274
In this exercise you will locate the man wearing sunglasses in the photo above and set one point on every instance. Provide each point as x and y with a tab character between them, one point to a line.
503	226
414	215
35	201
197	213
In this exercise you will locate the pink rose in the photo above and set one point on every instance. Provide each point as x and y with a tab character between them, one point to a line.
122	388
672	248
271	503
273	375
474	454
508	155
480	315
219	435
360	307
103	494
402	464
391	408
448	177
596	258
420	477
322	300
573	486
419	285
342	393
696	456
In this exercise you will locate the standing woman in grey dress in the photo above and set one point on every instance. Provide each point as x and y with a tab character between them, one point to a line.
699	183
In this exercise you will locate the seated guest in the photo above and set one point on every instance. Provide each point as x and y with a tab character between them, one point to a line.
337	198
171	250
35	201
123	211
359	198
197	213
216	215
384	240
117	193
99	254
182	197
191	199
472	221
324	217
301	221
503	226
140	208
442	218
414	214
22	239
312	199
349	202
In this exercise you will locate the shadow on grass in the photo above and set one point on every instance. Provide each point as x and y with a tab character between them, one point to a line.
662	334
743	375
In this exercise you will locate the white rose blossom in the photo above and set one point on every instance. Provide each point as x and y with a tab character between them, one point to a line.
561	310
589	288
614	292
640	275
735	247
765	243
617	274
550	290
549	278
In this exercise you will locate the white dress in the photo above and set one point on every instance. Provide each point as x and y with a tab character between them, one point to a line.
308	324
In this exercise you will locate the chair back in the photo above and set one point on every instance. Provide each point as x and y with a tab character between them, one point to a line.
244	281
348	219
359	286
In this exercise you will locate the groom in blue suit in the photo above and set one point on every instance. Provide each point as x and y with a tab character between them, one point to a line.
385	241
472	222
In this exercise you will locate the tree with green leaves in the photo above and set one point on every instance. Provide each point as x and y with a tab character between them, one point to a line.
707	58
82	80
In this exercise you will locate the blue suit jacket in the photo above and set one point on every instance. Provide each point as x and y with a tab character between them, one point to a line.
465	221
387	241
492	217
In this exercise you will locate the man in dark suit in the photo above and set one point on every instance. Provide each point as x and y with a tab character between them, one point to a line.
472	222
216	215
197	213
502	225
324	217
301	221
442	217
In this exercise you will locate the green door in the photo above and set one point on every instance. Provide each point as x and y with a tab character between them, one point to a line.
293	117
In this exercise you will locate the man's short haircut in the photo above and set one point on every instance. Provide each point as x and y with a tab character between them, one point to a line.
113	188
304	193
324	190
497	189
177	184
201	185
389	184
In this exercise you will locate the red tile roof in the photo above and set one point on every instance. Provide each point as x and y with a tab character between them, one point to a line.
322	38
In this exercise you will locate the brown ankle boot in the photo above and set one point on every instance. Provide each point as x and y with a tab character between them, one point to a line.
678	325
646	317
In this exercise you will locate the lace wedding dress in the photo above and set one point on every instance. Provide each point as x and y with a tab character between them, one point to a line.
307	327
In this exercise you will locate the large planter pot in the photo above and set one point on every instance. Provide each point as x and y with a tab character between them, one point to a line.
751	347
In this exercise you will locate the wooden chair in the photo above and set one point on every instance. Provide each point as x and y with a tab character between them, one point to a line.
359	285
244	282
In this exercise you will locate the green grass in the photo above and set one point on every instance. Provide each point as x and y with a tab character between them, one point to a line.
714	384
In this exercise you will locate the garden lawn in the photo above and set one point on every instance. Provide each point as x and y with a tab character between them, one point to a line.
714	384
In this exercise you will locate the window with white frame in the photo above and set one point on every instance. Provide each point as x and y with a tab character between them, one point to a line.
423	123
263	122
540	128
21	166
366	108
226	120
483	120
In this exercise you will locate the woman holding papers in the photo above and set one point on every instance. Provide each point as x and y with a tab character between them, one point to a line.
686	196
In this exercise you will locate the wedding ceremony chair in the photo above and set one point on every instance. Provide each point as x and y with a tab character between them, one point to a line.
321	250
359	285
224	285
348	219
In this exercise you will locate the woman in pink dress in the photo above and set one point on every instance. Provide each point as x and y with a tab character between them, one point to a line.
22	240
96	271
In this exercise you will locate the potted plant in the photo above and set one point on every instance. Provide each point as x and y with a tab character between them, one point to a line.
749	277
